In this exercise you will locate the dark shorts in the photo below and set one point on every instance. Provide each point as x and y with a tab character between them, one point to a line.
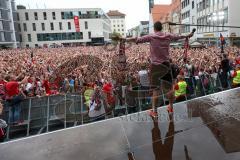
161	76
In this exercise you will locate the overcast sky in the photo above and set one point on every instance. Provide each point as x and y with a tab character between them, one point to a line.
136	10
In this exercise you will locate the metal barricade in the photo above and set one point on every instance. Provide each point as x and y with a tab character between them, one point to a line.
44	114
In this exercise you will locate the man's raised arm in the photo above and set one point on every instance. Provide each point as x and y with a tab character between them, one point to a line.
177	37
143	39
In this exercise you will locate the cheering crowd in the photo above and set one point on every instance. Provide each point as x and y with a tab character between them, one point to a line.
43	72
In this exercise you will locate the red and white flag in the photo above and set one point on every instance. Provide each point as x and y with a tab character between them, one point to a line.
77	24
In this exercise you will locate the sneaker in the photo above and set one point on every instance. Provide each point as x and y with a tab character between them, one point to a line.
152	113
3	124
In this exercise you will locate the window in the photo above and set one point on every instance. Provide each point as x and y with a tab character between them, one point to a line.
2	36
89	35
52	26
19	28
193	5
69	26
86	25
123	30
122	25
54	15
60	25
25	27
114	26
36	16
20	38
62	15
18	18
44	15
29	38
118	30
59	36
26	16
71	15
79	13
27	45
0	14
34	26
118	26
1	25
36	45
43	26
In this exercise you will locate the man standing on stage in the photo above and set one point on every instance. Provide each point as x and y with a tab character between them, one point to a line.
160	66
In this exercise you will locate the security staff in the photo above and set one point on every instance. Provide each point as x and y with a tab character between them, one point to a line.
236	77
180	89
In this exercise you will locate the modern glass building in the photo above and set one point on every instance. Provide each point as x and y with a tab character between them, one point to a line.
8	18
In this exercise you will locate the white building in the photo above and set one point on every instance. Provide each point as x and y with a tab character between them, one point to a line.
218	13
151	4
144	28
7	24
133	32
188	16
118	22
44	27
140	30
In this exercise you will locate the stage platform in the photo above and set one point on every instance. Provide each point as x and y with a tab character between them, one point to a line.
207	128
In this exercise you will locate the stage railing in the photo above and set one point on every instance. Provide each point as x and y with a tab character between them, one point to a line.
46	114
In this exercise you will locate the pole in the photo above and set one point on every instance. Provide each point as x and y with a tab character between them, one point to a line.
198	25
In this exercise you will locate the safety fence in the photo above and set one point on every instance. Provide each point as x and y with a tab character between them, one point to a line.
50	113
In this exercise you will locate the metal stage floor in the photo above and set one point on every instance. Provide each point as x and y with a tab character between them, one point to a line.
203	129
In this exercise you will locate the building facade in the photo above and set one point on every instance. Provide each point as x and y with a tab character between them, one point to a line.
140	30
133	32
144	28
160	13
188	16
176	16
218	13
118	22
68	27
166	14
8	18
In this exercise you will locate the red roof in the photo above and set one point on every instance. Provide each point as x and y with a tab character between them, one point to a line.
160	12
112	13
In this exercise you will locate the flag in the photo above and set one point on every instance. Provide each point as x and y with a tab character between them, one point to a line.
186	48
223	42
77	25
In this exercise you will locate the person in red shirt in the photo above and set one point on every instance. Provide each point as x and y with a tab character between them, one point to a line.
238	60
14	97
2	87
46	85
108	90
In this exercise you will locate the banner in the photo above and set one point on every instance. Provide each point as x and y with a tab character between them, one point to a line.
77	25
